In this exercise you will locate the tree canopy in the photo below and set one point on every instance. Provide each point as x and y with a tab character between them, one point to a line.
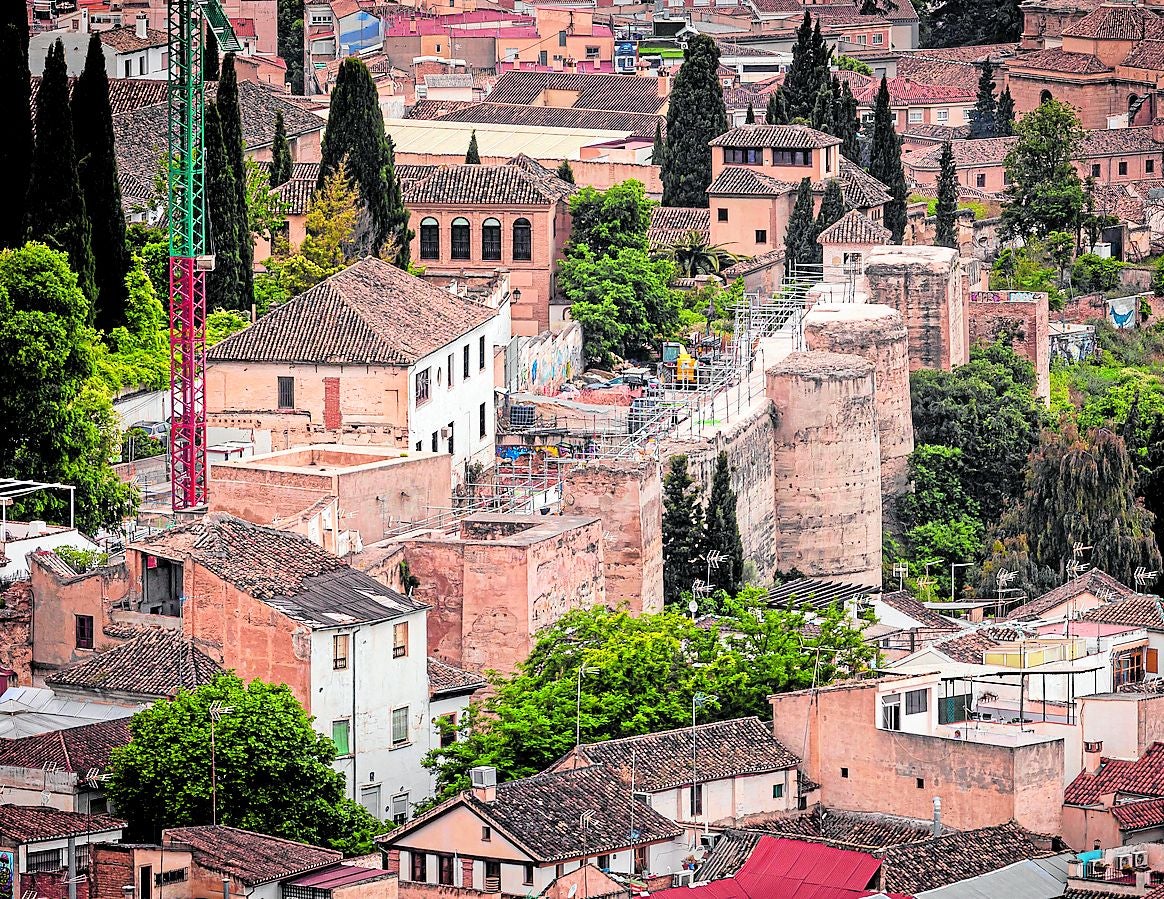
606	221
280	153
682	530
1045	192
947	210
16	113
695	115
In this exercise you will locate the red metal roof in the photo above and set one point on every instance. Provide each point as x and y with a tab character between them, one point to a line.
337	876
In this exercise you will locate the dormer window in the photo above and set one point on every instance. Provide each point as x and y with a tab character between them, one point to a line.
743	156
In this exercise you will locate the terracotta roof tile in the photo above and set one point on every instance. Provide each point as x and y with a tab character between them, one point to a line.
1094	581
74	749
929	864
1118	22
975	53
755	264
28	824
1057	60
854	227
370	314
1140	610
253	858
937	132
489	185
295	195
672	223
1139	815
490	113
445	678
948	72
907	90
851	830
860	189
785	137
1116	141
125	39
1143	777
1147	54
156	663
614	93
969	647
738	181
967	153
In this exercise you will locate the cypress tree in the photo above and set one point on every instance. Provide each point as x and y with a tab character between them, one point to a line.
565	172
800	244
682	530
230	116
97	171
16	113
658	147
777	110
1004	116
210	61
832	206
885	163
280	154
845	124
355	131
56	205
222	285
823	116
750	117
472	156
695	116
722	530
984	116
947	199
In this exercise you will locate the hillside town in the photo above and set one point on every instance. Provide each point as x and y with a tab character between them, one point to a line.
523	448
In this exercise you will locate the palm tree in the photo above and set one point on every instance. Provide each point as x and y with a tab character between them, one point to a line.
693	255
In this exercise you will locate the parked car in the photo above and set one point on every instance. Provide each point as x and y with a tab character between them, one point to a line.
158	430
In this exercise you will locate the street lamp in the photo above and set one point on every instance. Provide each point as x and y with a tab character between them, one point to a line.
582	669
217	710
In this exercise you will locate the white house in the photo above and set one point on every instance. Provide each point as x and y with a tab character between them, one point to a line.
19	538
37	838
136	51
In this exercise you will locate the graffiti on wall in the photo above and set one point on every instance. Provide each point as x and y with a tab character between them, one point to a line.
1005	296
546	362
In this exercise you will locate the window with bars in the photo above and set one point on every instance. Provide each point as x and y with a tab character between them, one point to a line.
400	640
430	239
491	239
286	393
522	240
339	652
399	808
460	232
423	385
419	867
43	860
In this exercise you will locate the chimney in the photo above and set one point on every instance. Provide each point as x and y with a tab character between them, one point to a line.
937	830
85	23
484	781
664	85
142	26
1158	130
1092	755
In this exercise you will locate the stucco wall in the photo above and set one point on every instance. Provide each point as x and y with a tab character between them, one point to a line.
57	602
542	364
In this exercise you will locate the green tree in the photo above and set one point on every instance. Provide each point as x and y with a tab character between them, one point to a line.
1045	192
605	221
658	148
565	172
472	156
722	530
1004	121
289	17
67	431
846	124
852	64
695	115
56	204
274	771
152	245
776	112
885	163
97	171
682	530
984	116
211	65
280	154
750	115
947	235
230	114
266	211
961	23
939	480
224	284
694	255
800	246
16	112
832	208
355	132
137	353
809	71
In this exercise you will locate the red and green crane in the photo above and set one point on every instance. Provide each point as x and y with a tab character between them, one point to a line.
190	258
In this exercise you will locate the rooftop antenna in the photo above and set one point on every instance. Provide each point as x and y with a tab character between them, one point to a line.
217	711
1143	577
900	570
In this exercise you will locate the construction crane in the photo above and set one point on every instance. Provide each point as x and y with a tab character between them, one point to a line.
190	259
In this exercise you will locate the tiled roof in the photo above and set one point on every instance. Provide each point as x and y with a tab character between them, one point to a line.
860	189
1147	54
1095	582
1143	777
729	854
446	678
461	79
1140	610
74	749
488	185
615	93
967	153
1115	22
253	858
157	663
948	72
125	94
854	227
490	113
937	132
662	761
672	223
1139	815
284	570
967	648
784	137
738	181
1056	60
728	48
435	109
938	861
125	39
295	195
975	53
369	314
755	264
903	602
1116	141
29	824
907	90
852	830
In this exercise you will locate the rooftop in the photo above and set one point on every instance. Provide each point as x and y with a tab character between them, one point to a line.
520	182
860	189
850	830
28	711
784	137
253	858
72	749
31	824
817	593
449	680
1058	60
1115	22
740	181
1097	583
126	40
615	93
1143	777
905	90
928	864
369	314
988	151
672	223
491	113
854	228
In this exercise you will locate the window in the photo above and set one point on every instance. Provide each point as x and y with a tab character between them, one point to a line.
792	157
129	68
420	446
1044	96
486	834
445	870
1149	165
1095	170
460	231
845	773
980	180
162	878
339	736
878	39
449	369
743	155
640	860
777	791
492	875
447	727
400	640
491	239
44	860
436	442
916	701
400	726
527	874
419	867
451	444
592	52
761	236
423	379
522	240
145	882
891	711
339	651
543	58
286	393
465	361
921	783
915	116
943	116
84	629
484	418
721	215
1123	168
481	352
430	238
696	797
604	863
1128	668
399	808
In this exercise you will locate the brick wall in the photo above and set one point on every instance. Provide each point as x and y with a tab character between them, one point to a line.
15	633
993	313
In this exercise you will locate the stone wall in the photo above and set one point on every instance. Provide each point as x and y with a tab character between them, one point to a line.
15	631
542	364
1021	316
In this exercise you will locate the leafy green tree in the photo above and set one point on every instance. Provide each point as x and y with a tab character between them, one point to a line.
137	353
565	172
852	64
223	285
682	530
1045	192
221	323
1028	579
939	480
602	331
885	163
947	235
694	255
266	211
16	148
289	18
605	221
230	114
695	115
722	530
776	112
152	245
56	204
280	154
355	132
800	246
750	115
274	771
832	208
211	64
1004	114
961	23
67	431
984	116
97	171
472	156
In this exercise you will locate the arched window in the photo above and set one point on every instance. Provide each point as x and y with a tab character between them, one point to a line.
522	240
460	238
491	239
430	238
1044	97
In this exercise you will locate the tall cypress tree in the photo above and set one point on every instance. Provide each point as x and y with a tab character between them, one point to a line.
776	112
682	530
846	125
823	115
565	172
472	155
885	163
984	116
832	206
947	199
800	244
222	285
695	116
658	147
722	530
97	170
230	116
750	116
800	84
56	205
211	67
355	131
280	154
16	114
1004	115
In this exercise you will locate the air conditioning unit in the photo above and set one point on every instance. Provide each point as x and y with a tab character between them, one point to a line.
708	840
483	776
1123	861
444	433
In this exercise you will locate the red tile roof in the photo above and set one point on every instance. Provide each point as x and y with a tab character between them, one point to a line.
444	678
903	90
783	137
854	227
737	181
74	749
253	858
125	40
1056	60
1139	815
29	824
672	223
1095	582
1139	610
1115	22
1143	777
